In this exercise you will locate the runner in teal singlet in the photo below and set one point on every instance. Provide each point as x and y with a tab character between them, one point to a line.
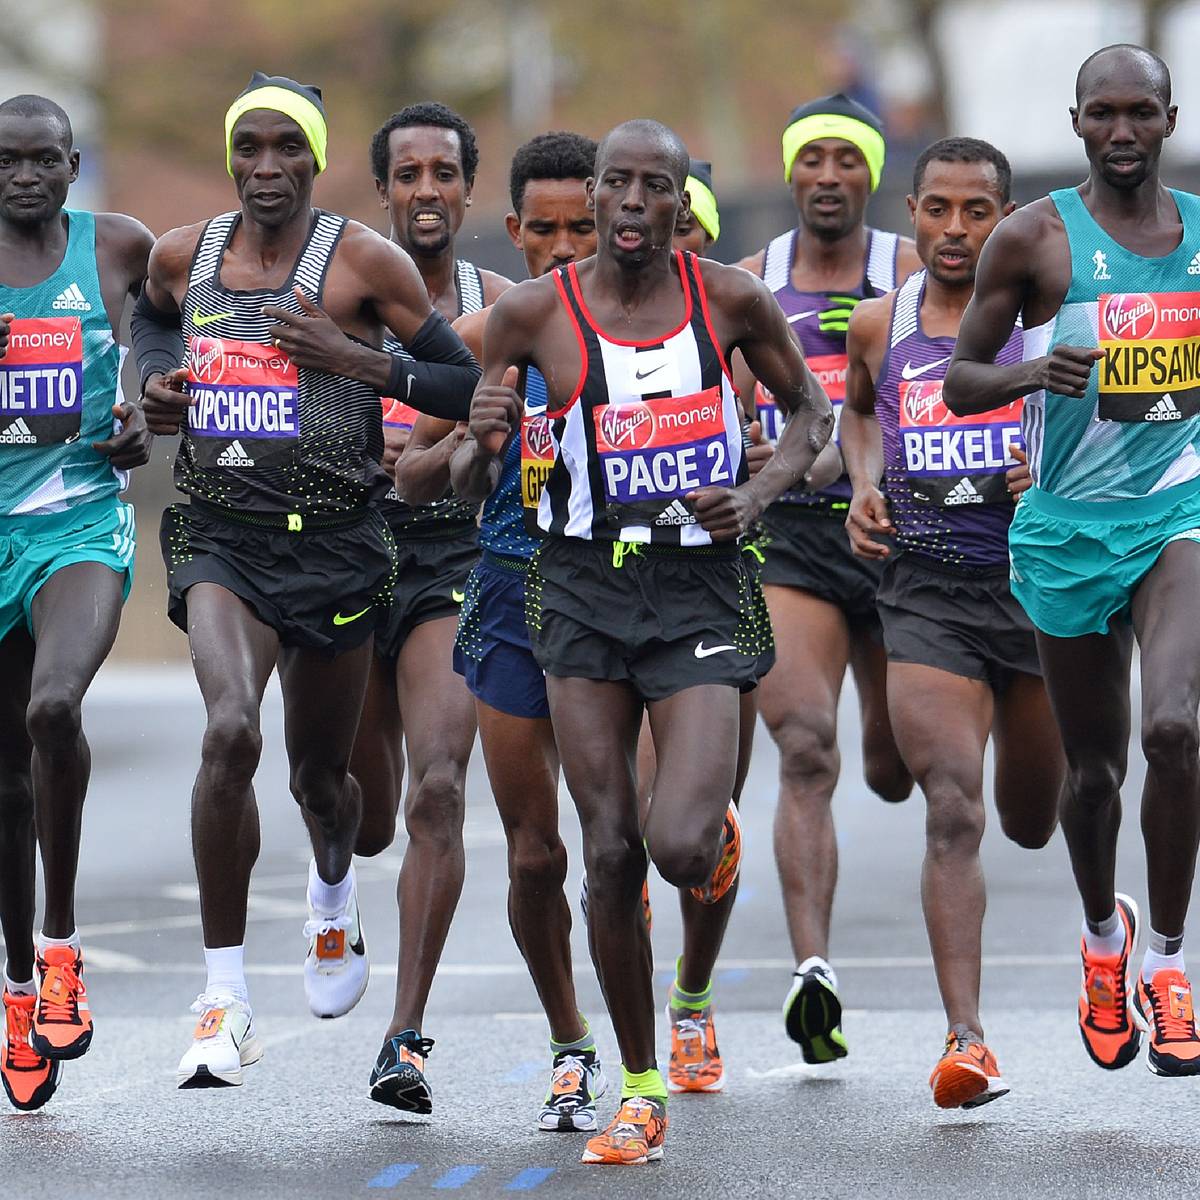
67	442
1104	547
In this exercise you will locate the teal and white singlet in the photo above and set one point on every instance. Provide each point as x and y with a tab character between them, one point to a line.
1117	473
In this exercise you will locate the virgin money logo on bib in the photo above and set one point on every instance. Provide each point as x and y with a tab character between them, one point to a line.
41	381
537	460
627	426
1128	316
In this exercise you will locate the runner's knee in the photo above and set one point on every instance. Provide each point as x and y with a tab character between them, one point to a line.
434	808
954	819
1171	743
376	832
537	863
53	719
1029	830
808	753
318	787
885	773
614	863
1095	783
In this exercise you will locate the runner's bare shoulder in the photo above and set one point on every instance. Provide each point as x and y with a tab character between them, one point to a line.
171	258
470	327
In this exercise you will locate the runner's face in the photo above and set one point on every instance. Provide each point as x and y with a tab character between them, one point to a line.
691	235
426	194
830	187
958	206
555	227
36	169
273	167
637	200
1123	122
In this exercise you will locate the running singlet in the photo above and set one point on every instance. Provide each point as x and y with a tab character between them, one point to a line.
1137	430
825	351
944	474
648	422
58	383
422	520
264	435
509	522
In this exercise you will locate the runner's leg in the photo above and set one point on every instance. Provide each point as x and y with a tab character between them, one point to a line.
884	771
377	761
1031	771
18	840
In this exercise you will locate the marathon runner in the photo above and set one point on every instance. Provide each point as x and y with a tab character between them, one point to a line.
1104	545
962	660
67	442
821	597
639	596
551	225
281	554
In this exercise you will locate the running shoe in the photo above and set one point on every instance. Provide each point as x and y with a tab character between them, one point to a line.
966	1075
576	1083
646	911
635	1135
1163	1007
695	1064
336	970
29	1078
62	1020
1106	1023
223	1043
398	1077
729	864
812	1012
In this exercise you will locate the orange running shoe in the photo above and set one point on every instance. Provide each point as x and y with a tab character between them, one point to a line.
29	1079
62	1020
730	862
634	1137
695	1060
1105	1020
967	1074
1163	1007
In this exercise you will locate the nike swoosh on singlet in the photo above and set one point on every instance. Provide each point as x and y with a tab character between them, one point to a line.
646	374
812	312
339	619
200	321
908	371
703	651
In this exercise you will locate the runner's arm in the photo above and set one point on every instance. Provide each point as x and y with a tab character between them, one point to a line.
422	472
157	334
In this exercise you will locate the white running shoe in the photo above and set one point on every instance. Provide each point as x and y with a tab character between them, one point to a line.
336	969
224	1042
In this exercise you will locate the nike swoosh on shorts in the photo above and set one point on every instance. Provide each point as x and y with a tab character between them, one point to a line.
703	651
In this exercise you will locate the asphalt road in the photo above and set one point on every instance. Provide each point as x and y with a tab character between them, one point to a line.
302	1125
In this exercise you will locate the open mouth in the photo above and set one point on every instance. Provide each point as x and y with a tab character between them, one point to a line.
427	219
630	237
952	258
827	204
1124	163
267	198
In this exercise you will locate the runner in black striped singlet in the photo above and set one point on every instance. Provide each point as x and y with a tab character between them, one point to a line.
639	596
282	555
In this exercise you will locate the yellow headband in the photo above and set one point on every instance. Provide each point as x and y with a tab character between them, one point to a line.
832	125
282	100
704	206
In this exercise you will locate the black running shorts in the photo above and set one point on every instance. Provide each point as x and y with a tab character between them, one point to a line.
431	579
968	625
664	620
809	549
327	589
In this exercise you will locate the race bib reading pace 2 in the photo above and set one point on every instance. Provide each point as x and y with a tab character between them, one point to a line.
1150	371
41	382
830	370
952	461
245	408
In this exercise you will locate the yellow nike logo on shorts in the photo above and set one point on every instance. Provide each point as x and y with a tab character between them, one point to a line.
200	321
339	619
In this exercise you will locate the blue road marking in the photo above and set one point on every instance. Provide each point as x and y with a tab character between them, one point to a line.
530	1178
524	1072
733	975
390	1176
456	1177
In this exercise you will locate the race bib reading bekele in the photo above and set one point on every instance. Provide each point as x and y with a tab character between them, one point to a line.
245	404
955	461
41	382
1150	372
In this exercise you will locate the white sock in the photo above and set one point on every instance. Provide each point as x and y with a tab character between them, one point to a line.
45	942
1107	943
19	989
1162	954
226	971
329	899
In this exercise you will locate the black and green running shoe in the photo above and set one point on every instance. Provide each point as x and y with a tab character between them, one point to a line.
812	1012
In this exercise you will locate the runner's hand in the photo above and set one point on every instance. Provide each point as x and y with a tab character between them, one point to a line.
1067	369
760	450
131	447
5	321
495	413
165	403
395	438
868	516
312	340
725	513
1018	478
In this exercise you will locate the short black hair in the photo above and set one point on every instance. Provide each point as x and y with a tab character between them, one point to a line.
29	105
1158	74
558	155
428	112
670	140
964	150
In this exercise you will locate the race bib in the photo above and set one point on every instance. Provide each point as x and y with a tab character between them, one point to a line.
950	461
245	409
830	370
1150	372
537	458
41	382
657	450
398	414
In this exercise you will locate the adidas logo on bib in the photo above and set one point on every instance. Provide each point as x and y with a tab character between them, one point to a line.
18	434
1165	410
234	455
1194	265
676	513
964	492
71	299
